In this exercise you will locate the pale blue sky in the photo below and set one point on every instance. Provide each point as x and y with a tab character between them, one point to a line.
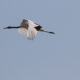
48	57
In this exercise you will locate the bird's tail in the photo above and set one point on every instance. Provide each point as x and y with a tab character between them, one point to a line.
10	27
47	31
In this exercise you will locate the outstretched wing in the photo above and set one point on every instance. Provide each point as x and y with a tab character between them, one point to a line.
24	24
28	27
22	31
31	33
23	27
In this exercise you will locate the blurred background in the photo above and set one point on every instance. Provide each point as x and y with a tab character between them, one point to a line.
48	57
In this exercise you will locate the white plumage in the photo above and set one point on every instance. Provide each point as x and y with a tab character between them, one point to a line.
32	32
29	28
22	31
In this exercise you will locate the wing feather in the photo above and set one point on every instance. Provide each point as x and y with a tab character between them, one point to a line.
22	31
31	33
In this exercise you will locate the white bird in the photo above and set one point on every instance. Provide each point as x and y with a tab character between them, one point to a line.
29	28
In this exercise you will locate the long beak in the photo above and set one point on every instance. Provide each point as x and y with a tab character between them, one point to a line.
5	28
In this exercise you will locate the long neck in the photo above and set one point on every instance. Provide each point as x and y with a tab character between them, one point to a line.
11	27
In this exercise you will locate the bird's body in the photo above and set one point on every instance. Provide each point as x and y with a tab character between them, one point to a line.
28	27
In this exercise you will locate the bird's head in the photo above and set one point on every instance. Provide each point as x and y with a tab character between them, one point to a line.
7	27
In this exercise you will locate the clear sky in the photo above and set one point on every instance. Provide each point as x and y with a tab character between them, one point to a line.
48	57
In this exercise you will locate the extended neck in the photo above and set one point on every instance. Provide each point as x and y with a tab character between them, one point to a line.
11	27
